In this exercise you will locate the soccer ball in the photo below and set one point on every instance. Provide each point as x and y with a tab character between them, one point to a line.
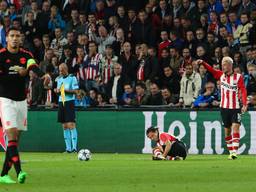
84	155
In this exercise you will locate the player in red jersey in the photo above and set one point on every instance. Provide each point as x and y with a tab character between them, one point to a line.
168	146
232	91
14	66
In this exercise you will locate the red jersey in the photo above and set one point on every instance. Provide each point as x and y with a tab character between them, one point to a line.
232	88
163	137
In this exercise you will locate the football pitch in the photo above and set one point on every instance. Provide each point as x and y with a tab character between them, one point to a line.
55	172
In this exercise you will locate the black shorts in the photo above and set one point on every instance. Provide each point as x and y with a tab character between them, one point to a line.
230	116
177	149
67	113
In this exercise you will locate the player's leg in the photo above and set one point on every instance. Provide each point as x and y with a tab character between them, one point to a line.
236	136
67	137
8	118
228	139
22	126
73	131
226	121
71	119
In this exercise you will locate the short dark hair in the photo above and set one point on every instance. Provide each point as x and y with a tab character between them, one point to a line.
151	129
13	29
142	85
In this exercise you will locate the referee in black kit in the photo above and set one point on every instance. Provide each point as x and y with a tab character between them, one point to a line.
15	63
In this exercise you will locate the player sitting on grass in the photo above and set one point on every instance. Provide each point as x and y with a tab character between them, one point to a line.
168	146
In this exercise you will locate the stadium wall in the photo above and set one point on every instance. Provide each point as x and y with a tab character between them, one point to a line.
124	131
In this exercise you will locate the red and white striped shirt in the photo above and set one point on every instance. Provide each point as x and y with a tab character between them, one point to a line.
107	68
163	137
92	66
81	74
232	88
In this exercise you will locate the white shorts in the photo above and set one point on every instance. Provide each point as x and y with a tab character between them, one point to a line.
13	114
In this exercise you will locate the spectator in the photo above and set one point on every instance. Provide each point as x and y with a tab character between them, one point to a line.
142	31
205	76
187	59
67	58
55	20
67	8
2	35
43	18
128	61
141	95
168	97
175	59
190	87
82	27
58	42
209	97
171	80
242	32
78	67
47	60
115	87
190	42
165	42
201	10
163	9
92	98
118	43
35	90
91	66
128	94
246	7
188	9
48	85
30	27
106	65
211	44
215	5
251	87
177	42
100	100
46	42
38	51
155	97
81	99
113	25
233	20
103	39
175	8
214	23
74	23
71	42
147	69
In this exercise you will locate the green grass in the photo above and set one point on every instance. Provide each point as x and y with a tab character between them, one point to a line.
52	172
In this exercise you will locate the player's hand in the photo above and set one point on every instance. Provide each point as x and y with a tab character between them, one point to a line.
23	72
244	109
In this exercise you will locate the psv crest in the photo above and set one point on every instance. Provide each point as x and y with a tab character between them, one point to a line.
23	60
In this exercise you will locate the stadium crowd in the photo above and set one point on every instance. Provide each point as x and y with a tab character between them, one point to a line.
135	52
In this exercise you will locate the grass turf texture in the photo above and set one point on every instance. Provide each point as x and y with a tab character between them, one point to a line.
52	172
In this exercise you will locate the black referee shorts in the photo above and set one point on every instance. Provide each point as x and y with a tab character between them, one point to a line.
67	113
177	149
230	116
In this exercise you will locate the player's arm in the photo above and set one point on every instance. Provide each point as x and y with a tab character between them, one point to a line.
216	73
74	86
243	93
167	148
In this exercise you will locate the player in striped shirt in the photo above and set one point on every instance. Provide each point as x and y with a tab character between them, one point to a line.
232	91
168	146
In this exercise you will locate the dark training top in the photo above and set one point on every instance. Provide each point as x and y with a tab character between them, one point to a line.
12	85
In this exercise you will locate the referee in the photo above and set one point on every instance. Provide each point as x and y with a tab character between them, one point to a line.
14	66
67	87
